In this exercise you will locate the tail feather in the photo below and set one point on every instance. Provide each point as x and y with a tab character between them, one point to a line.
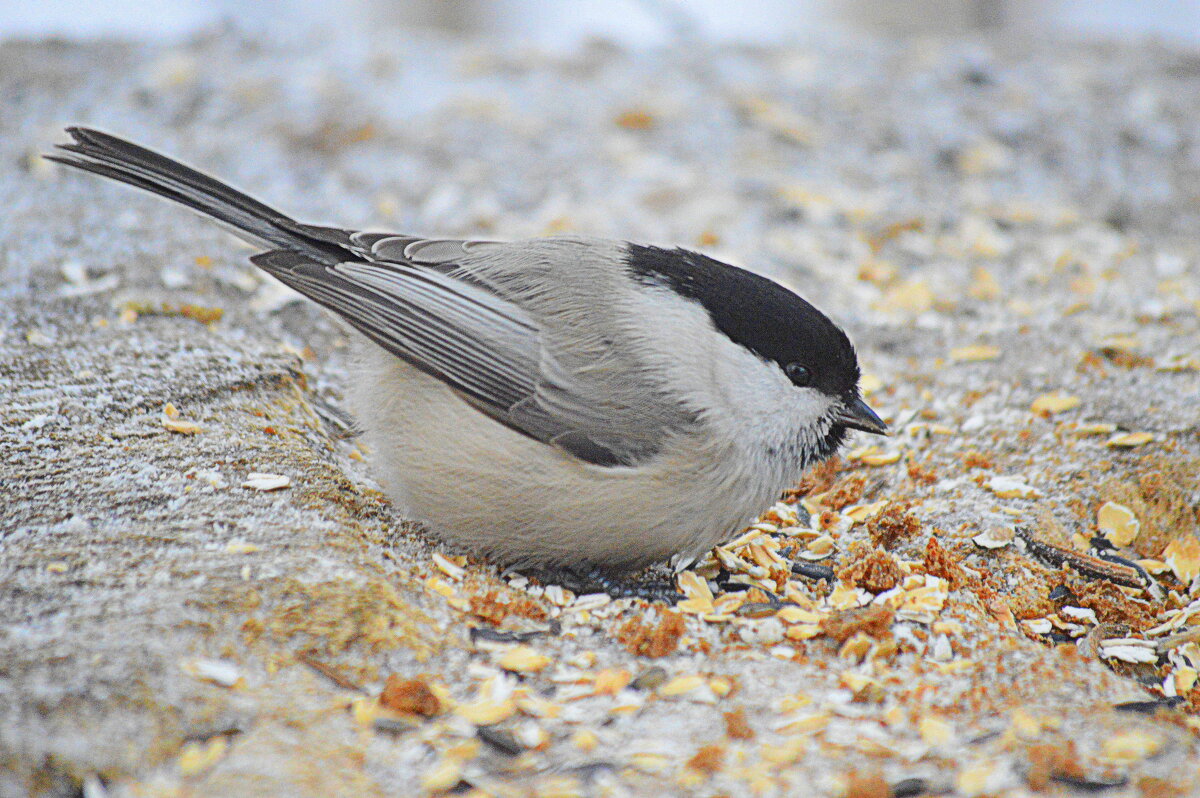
115	158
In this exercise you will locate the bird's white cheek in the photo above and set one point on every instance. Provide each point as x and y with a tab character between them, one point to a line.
761	403
749	384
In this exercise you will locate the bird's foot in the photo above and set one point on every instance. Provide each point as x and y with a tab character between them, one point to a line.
594	579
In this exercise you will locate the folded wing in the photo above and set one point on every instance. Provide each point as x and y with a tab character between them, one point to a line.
414	298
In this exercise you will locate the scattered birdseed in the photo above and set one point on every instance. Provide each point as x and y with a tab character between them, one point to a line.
1118	523
650	678
446	773
864	512
1178	363
995	537
585	740
266	482
699	599
1038	626
1156	567
448	592
872	569
793	615
485	711
197	757
413	696
1182	555
530	736
611	681
451	569
219	672
803	724
1131	746
1053	403
819	548
973	354
736	725
680	685
523	659
709	759
935	731
591	601
1129	650
558	595
1095	429
534	705
1085	614
649	762
874	456
1011	488
1129	440
979	780
173	423
637	119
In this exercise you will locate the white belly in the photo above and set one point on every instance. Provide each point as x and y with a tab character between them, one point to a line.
485	487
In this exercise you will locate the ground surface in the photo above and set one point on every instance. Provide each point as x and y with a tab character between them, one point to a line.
993	222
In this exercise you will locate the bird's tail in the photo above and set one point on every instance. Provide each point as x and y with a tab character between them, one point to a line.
113	157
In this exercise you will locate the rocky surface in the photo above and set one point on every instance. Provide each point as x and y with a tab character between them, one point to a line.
1006	229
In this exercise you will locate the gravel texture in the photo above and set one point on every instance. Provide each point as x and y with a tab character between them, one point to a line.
993	221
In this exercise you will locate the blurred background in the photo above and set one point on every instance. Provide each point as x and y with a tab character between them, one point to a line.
564	23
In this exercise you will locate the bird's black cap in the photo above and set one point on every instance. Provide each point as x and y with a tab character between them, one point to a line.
761	315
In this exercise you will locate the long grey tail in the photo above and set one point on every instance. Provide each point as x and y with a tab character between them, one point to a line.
109	156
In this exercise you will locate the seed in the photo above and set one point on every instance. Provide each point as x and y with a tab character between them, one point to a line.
523	659
266	482
1118	523
995	537
975	353
1052	403
1011	488
1129	440
1183	556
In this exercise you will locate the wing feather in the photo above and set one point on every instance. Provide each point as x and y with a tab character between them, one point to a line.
487	348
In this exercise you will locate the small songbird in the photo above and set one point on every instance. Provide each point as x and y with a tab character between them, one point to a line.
561	402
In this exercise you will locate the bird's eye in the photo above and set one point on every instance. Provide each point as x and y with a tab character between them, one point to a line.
799	375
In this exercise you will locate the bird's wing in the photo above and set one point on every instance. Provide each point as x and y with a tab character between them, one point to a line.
492	334
409	296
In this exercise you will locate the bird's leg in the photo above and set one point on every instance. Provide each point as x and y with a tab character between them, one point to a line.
594	579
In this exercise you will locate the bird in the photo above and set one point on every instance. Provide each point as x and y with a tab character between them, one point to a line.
566	403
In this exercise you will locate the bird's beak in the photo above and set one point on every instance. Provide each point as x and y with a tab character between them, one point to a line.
857	414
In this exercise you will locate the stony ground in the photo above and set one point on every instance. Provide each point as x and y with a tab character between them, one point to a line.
1005	228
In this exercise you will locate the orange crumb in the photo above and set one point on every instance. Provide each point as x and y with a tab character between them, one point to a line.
875	570
846	492
736	726
652	641
976	459
635	120
818	479
940	562
409	695
1111	605
494	607
874	621
869	785
1047	760
708	760
921	474
892	525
